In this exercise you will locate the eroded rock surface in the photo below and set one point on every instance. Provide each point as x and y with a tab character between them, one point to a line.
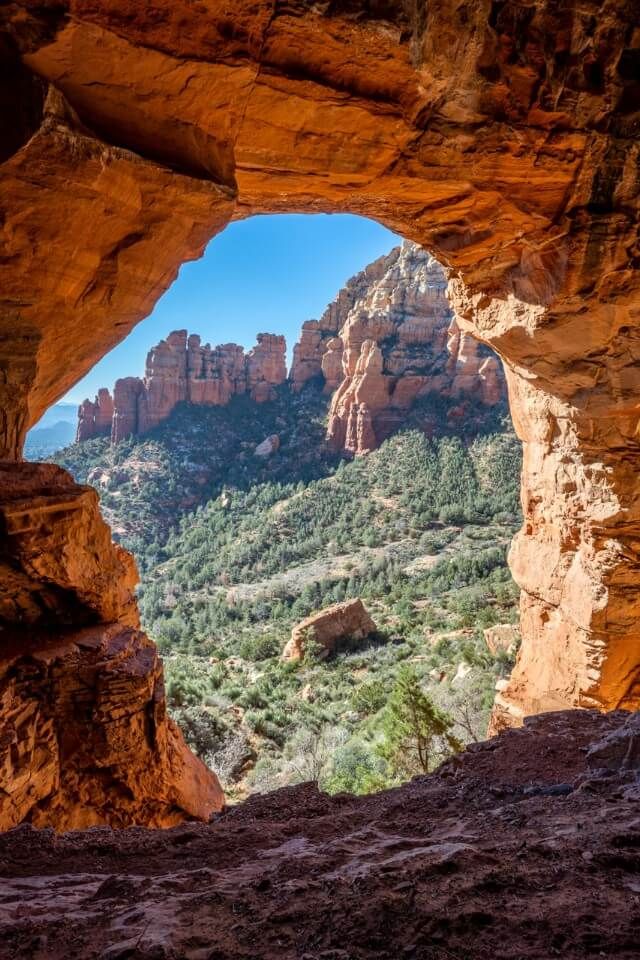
84	734
182	369
389	337
524	846
85	737
501	137
324	630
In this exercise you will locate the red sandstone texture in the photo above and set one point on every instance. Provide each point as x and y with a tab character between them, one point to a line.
95	417
389	337
523	848
348	620
180	369
84	734
501	137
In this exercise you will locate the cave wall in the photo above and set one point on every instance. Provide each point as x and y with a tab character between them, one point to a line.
502	136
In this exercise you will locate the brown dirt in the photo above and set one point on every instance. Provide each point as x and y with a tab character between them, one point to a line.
519	849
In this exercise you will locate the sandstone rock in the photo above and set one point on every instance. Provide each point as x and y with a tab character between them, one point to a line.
181	369
399	340
505	144
128	398
268	446
85	738
266	366
58	564
165	381
503	636
342	621
94	418
331	364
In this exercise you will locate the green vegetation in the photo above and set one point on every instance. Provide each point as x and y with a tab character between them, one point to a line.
234	550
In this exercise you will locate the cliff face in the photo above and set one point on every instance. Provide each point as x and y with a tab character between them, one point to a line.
85	734
94	417
179	369
389	337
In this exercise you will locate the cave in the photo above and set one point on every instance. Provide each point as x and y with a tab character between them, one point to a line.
502	137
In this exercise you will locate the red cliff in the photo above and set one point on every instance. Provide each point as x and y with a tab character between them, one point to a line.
181	369
389	337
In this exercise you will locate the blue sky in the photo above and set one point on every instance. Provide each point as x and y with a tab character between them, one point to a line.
262	275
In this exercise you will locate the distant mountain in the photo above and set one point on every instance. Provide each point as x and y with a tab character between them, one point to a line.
59	412
43	441
389	338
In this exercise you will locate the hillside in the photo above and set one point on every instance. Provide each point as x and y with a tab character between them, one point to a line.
234	549
248	500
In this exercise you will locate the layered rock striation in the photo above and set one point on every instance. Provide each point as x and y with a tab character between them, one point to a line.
84	734
389	337
181	369
95	416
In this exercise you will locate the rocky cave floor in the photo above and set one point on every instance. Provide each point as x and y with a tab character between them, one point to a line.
526	846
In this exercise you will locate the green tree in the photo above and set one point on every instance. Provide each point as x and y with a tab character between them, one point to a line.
415	733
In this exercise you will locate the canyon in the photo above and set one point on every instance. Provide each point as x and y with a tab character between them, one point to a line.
389	337
503	138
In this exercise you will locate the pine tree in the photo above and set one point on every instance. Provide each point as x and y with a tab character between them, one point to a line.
416	734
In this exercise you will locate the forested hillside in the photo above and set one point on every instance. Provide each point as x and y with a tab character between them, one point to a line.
234	549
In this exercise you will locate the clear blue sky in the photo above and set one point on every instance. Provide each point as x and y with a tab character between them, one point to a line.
262	275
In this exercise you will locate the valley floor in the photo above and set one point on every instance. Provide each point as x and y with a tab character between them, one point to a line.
525	846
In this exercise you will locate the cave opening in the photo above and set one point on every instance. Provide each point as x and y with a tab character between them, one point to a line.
489	159
361	465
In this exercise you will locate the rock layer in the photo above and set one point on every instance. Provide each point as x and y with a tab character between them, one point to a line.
84	735
95	417
389	337
543	820
180	369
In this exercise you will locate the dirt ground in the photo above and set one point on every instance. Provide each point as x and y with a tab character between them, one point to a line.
527	846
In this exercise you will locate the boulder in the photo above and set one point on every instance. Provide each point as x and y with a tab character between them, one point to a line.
268	446
347	620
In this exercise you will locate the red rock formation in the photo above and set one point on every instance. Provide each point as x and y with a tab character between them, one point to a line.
331	364
128	398
94	418
341	621
165	380
268	446
84	736
400	308
502	138
181	369
58	564
266	366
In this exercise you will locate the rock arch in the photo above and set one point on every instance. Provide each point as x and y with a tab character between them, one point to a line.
502	135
